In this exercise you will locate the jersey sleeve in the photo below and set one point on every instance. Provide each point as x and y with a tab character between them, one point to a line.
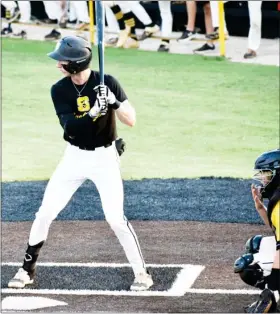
275	219
116	88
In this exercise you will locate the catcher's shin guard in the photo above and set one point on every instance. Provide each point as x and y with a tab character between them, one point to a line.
265	304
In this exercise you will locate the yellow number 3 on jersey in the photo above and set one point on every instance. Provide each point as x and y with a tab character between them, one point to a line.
83	104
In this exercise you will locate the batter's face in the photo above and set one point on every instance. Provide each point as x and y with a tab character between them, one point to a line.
60	67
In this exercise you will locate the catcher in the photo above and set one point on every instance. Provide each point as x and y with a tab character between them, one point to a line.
260	266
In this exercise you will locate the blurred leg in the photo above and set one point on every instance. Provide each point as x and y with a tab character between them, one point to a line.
191	11
255	14
25	11
215	15
81	10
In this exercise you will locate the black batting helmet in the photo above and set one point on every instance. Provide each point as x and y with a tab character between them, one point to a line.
74	49
267	166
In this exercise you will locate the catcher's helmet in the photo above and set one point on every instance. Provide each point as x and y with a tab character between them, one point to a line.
74	49
267	166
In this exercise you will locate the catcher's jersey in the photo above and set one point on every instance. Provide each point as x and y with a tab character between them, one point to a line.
72	103
275	222
273	213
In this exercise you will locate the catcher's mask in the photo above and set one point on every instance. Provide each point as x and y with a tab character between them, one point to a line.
267	172
74	49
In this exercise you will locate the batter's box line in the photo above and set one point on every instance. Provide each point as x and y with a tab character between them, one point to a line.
183	282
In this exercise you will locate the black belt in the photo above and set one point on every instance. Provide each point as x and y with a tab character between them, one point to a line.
91	147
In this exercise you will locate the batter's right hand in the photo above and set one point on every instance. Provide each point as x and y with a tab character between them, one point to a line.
100	108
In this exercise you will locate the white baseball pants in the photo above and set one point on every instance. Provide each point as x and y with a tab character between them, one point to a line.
137	9
101	166
215	14
79	11
24	8
166	18
53	10
255	13
266	254
9	5
113	25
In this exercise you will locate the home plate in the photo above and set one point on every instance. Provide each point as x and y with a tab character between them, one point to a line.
29	303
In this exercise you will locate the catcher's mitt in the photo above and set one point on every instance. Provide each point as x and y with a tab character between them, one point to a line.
265	304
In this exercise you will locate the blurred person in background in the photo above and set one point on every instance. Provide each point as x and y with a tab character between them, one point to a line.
214	5
78	10
56	10
254	38
166	26
211	35
189	33
124	12
13	12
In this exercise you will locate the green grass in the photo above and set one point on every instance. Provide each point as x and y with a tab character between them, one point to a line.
196	116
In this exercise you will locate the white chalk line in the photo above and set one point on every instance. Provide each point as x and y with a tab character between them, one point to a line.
128	293
182	284
108	265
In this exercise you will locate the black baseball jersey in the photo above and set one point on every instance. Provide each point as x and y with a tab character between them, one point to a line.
72	110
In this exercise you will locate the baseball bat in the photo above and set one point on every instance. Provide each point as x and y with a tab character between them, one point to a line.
100	22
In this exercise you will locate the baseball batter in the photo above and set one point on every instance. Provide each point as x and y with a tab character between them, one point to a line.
86	112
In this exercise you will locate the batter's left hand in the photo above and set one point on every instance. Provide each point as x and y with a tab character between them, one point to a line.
105	91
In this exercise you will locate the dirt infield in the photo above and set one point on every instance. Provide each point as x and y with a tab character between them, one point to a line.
194	243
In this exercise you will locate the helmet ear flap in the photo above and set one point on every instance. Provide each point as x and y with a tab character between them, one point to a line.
74	67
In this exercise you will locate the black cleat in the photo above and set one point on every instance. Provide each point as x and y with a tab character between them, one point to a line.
250	54
7	31
22	34
265	304
186	36
53	35
163	47
205	47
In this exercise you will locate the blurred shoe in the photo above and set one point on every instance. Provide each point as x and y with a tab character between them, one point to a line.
212	36
83	26
63	22
164	47
53	35
215	34
204	48
250	54
12	15
6	31
111	42
72	21
149	31
22	34
48	21
123	36
186	36
131	43
34	20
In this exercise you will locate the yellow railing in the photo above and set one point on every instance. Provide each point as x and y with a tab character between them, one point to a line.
91	16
